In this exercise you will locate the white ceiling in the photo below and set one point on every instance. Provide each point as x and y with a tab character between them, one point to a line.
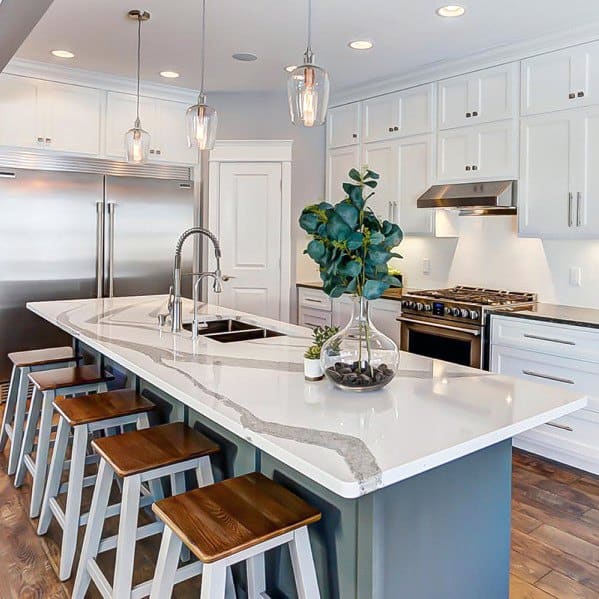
407	35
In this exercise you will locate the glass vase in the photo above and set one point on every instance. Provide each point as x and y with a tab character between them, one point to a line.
360	357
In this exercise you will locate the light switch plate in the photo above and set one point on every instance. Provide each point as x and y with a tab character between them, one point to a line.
426	266
575	276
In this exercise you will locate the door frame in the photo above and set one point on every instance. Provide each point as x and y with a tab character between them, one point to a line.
253	151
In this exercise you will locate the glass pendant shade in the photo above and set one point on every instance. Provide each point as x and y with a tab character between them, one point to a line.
201	122
137	145
308	92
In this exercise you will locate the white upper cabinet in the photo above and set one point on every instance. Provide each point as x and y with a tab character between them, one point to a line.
339	162
401	114
343	125
586	159
171	140
559	80
51	116
481	97
484	152
382	158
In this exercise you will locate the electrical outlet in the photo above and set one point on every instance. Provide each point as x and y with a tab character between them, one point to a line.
575	276
426	266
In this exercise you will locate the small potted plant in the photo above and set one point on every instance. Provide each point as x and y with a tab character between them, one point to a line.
312	368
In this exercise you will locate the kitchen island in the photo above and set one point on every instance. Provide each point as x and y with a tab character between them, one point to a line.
414	481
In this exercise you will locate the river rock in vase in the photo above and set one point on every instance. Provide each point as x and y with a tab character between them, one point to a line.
360	375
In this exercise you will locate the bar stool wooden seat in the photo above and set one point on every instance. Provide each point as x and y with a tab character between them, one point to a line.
83	416
25	362
47	385
136	457
233	521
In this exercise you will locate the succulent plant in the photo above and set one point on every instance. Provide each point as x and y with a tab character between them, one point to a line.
320	334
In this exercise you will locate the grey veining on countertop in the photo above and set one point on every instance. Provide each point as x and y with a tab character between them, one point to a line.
393	294
570	315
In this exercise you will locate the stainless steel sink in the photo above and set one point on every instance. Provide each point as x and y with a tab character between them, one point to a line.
230	330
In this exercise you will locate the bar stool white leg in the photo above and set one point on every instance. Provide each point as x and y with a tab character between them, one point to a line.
125	552
303	565
55	474
166	566
213	581
29	438
9	408
256	577
155	485
178	487
19	421
41	454
93	531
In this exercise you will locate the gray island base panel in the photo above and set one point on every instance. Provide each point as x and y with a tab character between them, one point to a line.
417	520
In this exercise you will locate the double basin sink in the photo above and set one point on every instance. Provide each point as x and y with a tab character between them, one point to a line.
229	330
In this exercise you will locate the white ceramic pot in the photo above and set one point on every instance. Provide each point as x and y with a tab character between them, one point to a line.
312	370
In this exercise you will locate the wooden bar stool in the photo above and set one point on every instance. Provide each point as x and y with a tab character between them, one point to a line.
46	386
233	521
83	416
136	457
25	362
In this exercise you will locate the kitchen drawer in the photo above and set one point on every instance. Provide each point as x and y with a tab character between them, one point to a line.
313	318
574	342
314	298
574	375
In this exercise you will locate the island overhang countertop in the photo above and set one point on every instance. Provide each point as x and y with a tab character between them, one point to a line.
432	413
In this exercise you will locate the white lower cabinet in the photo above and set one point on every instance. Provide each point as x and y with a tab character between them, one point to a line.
551	354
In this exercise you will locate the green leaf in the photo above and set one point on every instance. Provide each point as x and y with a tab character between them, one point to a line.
393	281
352	285
356	197
309	222
376	255
316	250
355	175
351	268
347	188
325	206
376	238
337	228
349	213
371	175
355	241
372	184
374	289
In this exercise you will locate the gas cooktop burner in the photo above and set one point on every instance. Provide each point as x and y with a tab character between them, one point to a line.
477	295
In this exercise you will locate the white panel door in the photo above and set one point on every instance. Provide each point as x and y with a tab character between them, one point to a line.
381	157
71	117
415	174
454	155
170	143
493	94
19	122
339	162
454	102
585	184
381	117
416	110
494	151
343	125
384	314
250	236
544	205
585	83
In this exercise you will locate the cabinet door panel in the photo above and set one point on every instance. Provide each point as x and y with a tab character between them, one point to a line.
19	124
342	311
545	175
170	139
454	155
343	125
415	166
380	116
454	102
416	111
494	146
381	157
585	76
493	92
71	117
384	316
586	180
339	162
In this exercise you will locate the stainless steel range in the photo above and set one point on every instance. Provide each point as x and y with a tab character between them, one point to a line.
449	324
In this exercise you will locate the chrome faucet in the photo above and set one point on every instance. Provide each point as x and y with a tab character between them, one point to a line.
176	306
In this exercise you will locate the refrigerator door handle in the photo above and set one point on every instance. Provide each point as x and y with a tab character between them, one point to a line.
99	249
111	210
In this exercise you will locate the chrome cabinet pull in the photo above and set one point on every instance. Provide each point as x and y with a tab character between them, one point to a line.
561	426
99	249
395	219
111	209
473	332
580	94
475	113
314	301
390	211
571	95
578	207
311	324
551	339
570	198
549	377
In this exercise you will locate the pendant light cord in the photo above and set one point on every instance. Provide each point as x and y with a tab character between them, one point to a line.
138	66
202	94
309	55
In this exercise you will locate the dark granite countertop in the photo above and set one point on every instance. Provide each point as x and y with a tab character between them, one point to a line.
393	293
570	315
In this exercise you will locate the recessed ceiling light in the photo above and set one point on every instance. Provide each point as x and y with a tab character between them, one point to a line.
169	74
451	10
245	56
360	44
290	68
63	54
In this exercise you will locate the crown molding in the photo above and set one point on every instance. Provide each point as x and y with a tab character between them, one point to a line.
97	80
491	57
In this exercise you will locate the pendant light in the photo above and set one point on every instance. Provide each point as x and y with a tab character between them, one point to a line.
137	141
308	87
201	120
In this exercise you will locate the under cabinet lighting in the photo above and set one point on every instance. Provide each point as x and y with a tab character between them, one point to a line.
451	10
63	54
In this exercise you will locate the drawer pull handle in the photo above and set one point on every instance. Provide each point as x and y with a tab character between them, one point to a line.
551	339
314	301
548	377
311	324
560	426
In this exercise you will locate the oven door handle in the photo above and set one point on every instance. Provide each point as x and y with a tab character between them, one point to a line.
473	332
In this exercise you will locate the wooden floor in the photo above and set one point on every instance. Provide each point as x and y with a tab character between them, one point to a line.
555	539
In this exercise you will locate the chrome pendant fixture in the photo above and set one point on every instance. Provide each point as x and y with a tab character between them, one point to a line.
308	88
201	120
137	141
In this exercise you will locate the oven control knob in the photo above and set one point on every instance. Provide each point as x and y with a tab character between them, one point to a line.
427	307
419	307
408	304
464	313
456	311
474	314
447	311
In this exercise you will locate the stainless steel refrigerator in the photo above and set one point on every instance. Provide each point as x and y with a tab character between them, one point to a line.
67	234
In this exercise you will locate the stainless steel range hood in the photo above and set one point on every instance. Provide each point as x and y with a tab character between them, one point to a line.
472	199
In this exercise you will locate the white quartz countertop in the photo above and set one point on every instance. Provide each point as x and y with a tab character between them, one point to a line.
432	413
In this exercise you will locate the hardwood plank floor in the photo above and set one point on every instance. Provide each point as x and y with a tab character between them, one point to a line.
555	539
